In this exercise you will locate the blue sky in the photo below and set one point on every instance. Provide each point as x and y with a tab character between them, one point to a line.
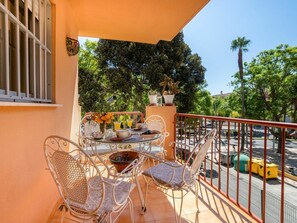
267	23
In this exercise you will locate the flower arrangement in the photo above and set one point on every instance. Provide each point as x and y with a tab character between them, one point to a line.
101	118
169	86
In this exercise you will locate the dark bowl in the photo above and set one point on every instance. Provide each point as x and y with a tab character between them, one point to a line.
122	159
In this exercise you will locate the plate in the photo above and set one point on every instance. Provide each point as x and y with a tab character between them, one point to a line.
119	139
140	130
137	129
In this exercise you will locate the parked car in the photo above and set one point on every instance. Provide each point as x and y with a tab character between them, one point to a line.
258	127
293	135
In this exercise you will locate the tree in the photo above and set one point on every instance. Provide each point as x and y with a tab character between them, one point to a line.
86	57
271	86
92	85
89	85
203	102
241	44
132	69
89	89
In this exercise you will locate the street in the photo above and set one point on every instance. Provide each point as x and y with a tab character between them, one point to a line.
273	191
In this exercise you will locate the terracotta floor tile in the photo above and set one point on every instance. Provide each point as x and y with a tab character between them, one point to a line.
171	220
139	217
162	210
230	216
212	207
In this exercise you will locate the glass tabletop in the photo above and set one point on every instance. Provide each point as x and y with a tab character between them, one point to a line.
134	138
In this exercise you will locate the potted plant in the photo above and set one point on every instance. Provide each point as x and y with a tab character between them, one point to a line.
153	97
170	89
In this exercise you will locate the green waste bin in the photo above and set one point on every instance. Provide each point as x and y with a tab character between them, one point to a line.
243	163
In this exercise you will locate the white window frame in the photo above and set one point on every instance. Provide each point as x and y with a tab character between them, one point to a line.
40	55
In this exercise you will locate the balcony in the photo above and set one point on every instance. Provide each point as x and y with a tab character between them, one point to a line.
24	126
225	194
213	208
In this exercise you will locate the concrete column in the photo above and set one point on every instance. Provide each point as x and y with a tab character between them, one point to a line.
167	113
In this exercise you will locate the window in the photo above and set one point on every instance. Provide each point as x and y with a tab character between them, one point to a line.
25	51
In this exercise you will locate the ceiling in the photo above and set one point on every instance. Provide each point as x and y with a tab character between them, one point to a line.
146	21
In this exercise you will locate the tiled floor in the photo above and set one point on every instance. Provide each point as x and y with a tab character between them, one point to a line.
213	208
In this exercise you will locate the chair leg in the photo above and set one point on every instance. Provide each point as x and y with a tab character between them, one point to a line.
146	190
196	201
181	205
62	217
131	210
174	208
178	215
196	196
109	217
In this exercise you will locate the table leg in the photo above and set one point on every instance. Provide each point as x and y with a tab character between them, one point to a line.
143	208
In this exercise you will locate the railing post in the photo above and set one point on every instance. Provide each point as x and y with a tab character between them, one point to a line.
262	207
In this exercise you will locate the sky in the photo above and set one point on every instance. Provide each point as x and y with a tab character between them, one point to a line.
267	23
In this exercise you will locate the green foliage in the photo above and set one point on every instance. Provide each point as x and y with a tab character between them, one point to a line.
235	114
89	89
271	84
87	60
203	102
240	43
221	107
92	83
132	69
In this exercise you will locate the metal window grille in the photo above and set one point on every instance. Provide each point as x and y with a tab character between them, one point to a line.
26	51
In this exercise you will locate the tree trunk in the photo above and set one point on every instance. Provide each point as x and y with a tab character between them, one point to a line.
280	139
242	96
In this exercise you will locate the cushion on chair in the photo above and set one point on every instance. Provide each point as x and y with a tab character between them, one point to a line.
122	192
163	174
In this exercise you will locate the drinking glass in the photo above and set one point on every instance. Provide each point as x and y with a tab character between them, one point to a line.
117	125
129	123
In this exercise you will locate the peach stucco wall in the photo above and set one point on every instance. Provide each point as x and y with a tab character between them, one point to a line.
167	113
27	191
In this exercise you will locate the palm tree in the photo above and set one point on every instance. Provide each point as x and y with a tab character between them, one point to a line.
241	44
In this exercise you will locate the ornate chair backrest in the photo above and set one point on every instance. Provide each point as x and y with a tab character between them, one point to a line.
71	169
156	122
198	154
87	127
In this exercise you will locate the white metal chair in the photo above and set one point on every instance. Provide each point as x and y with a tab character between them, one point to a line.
85	192
180	177
86	129
156	122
